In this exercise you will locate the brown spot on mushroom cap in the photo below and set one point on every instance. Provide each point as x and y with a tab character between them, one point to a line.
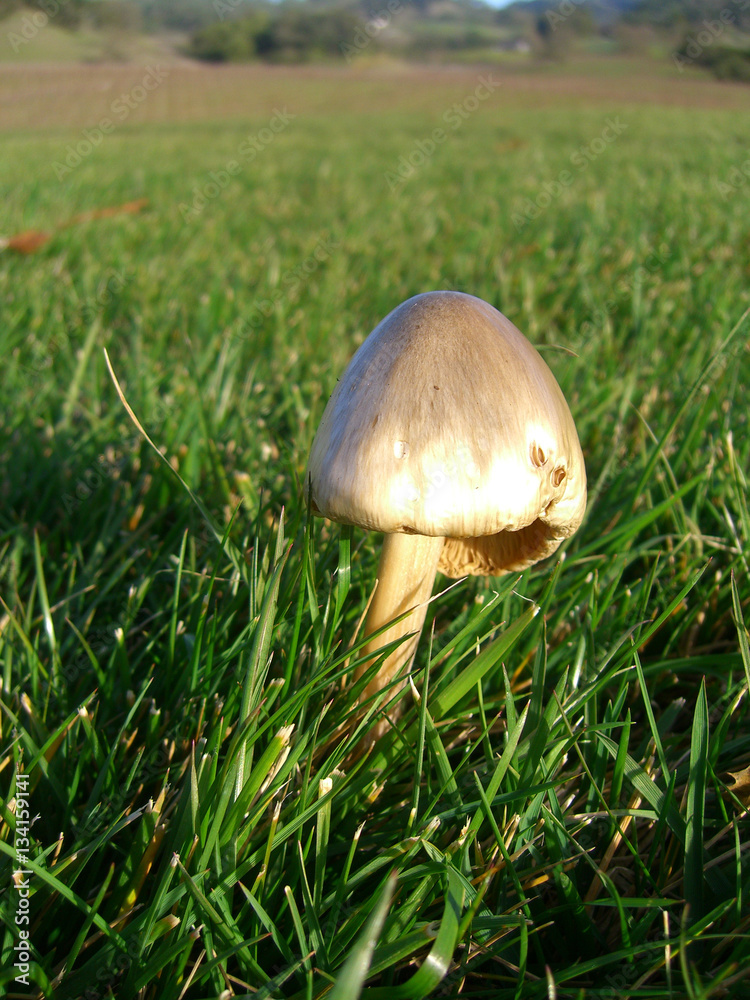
537	455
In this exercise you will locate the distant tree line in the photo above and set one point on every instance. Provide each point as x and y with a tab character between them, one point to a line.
710	34
726	62
291	34
312	29
683	15
67	15
715	35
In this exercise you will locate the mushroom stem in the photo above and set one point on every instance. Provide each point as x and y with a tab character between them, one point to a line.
406	574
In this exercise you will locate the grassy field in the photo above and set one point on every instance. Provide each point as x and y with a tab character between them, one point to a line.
563	814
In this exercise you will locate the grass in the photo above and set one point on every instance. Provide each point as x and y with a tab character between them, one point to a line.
556	815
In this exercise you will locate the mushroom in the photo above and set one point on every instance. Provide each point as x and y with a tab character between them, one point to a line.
449	434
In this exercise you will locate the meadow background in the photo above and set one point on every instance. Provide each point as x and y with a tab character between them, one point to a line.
564	809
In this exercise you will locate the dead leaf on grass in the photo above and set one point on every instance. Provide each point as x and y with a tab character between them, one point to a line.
741	786
33	239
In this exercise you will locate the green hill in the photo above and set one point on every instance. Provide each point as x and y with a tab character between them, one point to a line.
29	35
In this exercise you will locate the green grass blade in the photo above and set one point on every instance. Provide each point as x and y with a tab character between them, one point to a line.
49	626
696	809
739	623
349	982
258	658
434	967
655	736
503	764
459	687
299	930
717	357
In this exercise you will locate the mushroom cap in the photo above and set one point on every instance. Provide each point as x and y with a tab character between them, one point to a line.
447	422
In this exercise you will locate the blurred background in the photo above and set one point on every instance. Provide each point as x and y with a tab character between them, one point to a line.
704	33
226	196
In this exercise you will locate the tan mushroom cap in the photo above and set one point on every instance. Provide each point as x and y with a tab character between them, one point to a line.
447	422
